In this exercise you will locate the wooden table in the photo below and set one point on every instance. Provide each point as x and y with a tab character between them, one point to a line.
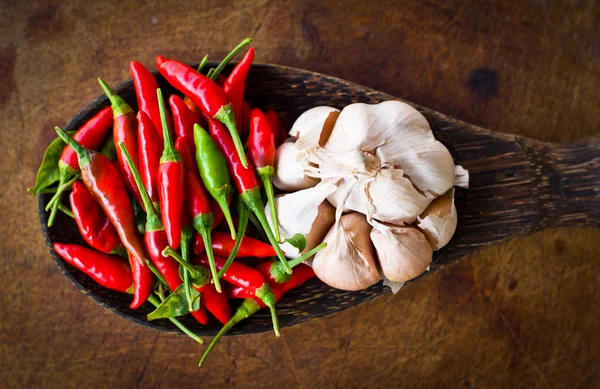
520	315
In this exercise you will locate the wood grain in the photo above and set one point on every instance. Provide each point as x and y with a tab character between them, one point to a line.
520	315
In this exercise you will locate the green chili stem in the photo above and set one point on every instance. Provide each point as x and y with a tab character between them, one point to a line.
168	251
119	106
155	271
295	262
153	222
222	201
241	232
258	227
170	154
185	241
252	199
229	57
65	210
202	63
206	237
210	73
154	301
61	188
248	308
226	116
268	183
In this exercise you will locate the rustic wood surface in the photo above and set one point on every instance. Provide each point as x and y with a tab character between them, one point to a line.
522	314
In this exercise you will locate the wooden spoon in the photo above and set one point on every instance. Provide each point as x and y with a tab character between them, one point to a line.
517	186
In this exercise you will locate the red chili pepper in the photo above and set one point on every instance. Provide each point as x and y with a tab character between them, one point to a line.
235	85
205	93
222	244
246	183
93	224
215	302
279	133
145	89
106	185
184	119
249	278
150	150
261	146
124	130
90	135
108	270
171	175
251	305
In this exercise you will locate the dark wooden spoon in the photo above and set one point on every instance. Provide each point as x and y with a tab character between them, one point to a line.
517	186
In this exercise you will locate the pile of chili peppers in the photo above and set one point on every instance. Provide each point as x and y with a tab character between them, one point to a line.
149	188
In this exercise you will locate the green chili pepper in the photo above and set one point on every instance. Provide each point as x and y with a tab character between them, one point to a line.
213	171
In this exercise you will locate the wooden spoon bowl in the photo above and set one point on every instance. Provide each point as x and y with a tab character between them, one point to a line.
517	186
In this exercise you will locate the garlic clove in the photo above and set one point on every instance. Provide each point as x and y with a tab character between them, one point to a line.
392	198
438	222
403	251
307	128
349	260
429	166
369	126
303	212
289	174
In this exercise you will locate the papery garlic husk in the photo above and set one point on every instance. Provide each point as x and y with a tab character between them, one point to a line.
307	128
349	261
305	212
438	222
388	197
403	251
461	177
289	172
394	286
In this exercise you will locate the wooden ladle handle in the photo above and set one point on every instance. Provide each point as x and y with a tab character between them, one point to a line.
567	181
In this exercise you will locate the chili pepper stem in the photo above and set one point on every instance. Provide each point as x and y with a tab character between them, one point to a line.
248	308
241	232
62	186
154	301
153	222
278	272
206	237
222	201
155	271
252	200
229	57
202	64
65	210
266	295
226	116
169	252
266	175
84	156
186	235
170	154
119	106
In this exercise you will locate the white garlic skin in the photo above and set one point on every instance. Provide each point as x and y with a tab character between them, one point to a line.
438	222
289	174
404	253
349	261
307	128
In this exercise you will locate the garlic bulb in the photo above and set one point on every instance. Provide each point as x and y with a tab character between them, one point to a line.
394	286
461	177
438	222
307	128
305	212
349	261
289	173
403	251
